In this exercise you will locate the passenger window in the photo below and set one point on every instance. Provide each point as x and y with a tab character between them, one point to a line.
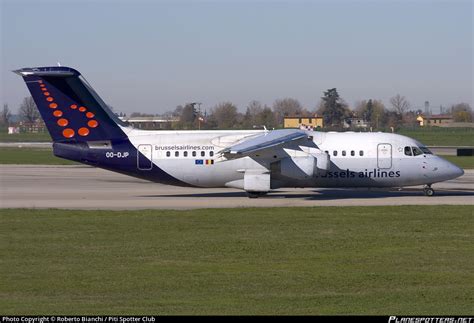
343	153
327	152
211	153
185	154
353	153
176	154
203	153
168	154
194	154
408	151
416	151
361	153
334	153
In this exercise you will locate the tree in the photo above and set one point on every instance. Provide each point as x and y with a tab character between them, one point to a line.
399	104
462	112
392	119
266	118
364	110
375	113
254	109
225	115
28	110
188	116
409	119
379	115
5	116
359	108
332	108
369	110
178	111
286	107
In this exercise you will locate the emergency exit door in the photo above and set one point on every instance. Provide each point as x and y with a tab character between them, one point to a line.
384	156
144	157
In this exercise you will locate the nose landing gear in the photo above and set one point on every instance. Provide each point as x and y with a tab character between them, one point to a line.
428	190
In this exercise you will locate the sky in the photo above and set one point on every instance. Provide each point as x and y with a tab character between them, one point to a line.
150	56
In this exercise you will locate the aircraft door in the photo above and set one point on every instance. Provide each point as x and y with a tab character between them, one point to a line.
384	156
144	157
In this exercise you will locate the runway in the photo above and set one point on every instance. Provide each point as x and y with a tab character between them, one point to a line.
83	187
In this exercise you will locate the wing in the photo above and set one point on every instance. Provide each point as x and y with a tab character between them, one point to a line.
264	143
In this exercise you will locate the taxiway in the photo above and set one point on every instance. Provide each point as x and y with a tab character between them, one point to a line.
83	187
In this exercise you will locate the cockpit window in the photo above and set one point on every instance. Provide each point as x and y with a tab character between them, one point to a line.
425	150
408	151
416	151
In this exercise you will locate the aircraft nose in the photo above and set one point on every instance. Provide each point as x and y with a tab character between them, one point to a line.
453	170
457	171
443	170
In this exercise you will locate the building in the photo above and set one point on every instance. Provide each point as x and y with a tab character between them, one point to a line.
37	126
306	121
13	130
437	120
149	123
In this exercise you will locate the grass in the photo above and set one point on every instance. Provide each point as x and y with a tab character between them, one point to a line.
465	162
328	260
437	136
24	137
31	156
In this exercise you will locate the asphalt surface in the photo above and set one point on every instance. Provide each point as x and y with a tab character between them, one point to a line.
83	187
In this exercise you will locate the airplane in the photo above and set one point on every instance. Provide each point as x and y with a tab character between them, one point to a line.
85	130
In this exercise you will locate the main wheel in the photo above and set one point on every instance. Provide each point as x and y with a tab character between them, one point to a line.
254	195
428	191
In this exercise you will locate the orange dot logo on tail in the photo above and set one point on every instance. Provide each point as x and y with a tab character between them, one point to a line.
49	99
92	123
63	122
47	94
53	105
74	106
83	131
82	109
68	133
90	115
57	113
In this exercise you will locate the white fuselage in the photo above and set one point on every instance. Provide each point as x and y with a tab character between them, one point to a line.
356	159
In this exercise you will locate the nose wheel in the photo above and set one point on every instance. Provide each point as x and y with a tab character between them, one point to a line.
428	190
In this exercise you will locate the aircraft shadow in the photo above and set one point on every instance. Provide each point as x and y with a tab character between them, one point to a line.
328	194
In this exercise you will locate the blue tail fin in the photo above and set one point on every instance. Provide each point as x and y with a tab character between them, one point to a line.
70	108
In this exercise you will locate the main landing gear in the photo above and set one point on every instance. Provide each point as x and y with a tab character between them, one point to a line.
428	190
255	195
